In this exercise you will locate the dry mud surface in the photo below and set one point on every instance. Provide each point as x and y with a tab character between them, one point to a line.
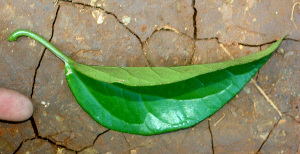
151	33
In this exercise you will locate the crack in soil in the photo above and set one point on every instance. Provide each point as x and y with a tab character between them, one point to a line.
194	19
100	135
257	74
45	139
59	145
258	151
42	56
245	44
34	127
291	39
93	141
257	45
127	142
248	45
266	43
156	30
291	116
170	29
195	31
208	38
167	30
115	16
55	144
22	144
211	136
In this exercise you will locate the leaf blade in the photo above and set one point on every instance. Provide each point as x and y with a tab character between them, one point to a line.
146	113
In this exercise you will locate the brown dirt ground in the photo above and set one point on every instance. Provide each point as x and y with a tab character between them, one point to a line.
151	33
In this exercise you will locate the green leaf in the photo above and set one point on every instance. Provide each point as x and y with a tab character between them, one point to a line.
154	100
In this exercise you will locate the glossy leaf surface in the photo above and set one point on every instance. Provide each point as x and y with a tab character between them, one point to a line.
144	100
155	100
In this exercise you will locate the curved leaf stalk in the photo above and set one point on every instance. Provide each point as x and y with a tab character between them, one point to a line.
23	32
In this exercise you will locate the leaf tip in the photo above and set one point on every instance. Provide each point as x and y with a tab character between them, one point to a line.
284	36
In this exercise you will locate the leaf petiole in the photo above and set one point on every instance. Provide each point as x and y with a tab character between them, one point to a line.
23	32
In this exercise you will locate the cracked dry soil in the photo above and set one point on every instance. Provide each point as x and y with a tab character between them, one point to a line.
151	33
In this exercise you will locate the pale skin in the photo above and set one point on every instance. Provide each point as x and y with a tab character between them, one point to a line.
14	106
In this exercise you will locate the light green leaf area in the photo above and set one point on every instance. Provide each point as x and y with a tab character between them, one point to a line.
146	101
149	76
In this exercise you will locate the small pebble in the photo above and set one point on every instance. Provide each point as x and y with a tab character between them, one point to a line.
280	51
14	106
